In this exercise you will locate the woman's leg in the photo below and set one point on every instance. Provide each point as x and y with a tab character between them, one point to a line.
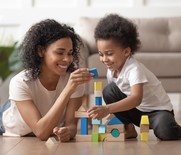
164	125
2	109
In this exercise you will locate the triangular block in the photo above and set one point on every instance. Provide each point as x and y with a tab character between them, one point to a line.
114	121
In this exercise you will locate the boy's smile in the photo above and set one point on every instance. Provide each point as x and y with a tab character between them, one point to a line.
112	54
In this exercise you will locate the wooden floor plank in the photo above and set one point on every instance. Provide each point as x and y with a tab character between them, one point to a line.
8	143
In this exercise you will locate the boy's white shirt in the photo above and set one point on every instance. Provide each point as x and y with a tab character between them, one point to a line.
134	72
21	88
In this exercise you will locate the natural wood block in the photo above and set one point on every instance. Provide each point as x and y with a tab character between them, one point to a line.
95	128
83	138
144	128
81	114
52	140
120	127
120	138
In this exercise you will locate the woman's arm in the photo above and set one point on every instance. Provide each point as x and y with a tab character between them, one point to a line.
69	131
43	127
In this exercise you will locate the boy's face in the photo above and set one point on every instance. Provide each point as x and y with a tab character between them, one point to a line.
112	54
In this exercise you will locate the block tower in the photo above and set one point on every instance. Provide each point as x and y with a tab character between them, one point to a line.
144	128
112	130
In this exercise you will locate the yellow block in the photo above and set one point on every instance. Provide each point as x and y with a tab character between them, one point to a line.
144	136
102	136
97	86
144	119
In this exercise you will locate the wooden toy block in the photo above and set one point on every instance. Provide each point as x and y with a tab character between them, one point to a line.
83	138
97	86
120	138
52	140
144	136
115	133
144	119
81	114
95	128
96	121
102	129
98	101
95	137
102	137
120	127
144	128
84	126
94	71
114	120
98	93
82	108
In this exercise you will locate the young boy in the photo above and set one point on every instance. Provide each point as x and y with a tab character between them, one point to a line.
132	89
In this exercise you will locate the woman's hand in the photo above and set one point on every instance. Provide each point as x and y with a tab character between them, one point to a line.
78	77
62	133
98	112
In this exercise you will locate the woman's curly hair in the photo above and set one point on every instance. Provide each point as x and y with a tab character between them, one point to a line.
120	29
43	34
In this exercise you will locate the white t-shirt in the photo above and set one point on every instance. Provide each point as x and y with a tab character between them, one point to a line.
133	72
21	88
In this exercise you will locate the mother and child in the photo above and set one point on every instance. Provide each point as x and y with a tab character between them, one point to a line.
44	96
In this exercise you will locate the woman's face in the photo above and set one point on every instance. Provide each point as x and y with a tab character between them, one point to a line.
112	54
58	56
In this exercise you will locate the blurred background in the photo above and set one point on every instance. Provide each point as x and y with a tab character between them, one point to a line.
16	16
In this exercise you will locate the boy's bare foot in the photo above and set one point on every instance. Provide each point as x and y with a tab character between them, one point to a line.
130	131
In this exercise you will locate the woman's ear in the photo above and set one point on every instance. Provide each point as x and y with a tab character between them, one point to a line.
127	51
40	52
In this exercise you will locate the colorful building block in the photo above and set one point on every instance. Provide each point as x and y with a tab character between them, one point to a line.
97	86
95	137
94	71
114	121
98	101
84	126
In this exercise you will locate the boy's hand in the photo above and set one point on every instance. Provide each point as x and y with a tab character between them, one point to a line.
62	133
98	112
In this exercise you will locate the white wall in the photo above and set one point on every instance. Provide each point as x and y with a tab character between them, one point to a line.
16	16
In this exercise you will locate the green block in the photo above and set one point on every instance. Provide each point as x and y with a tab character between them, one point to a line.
95	137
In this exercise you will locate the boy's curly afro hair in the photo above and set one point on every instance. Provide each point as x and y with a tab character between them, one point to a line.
42	34
120	30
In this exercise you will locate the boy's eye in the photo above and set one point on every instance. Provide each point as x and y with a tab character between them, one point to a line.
100	54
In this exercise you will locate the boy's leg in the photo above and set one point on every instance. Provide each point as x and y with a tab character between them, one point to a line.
164	125
111	94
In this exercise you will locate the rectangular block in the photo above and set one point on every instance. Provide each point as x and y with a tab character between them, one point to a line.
95	128
98	93
120	127
94	71
83	138
144	136
97	86
98	101
95	137
102	129
144	128
96	121
84	126
110	138
81	114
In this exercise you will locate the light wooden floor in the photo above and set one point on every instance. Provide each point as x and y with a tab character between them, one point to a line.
33	146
